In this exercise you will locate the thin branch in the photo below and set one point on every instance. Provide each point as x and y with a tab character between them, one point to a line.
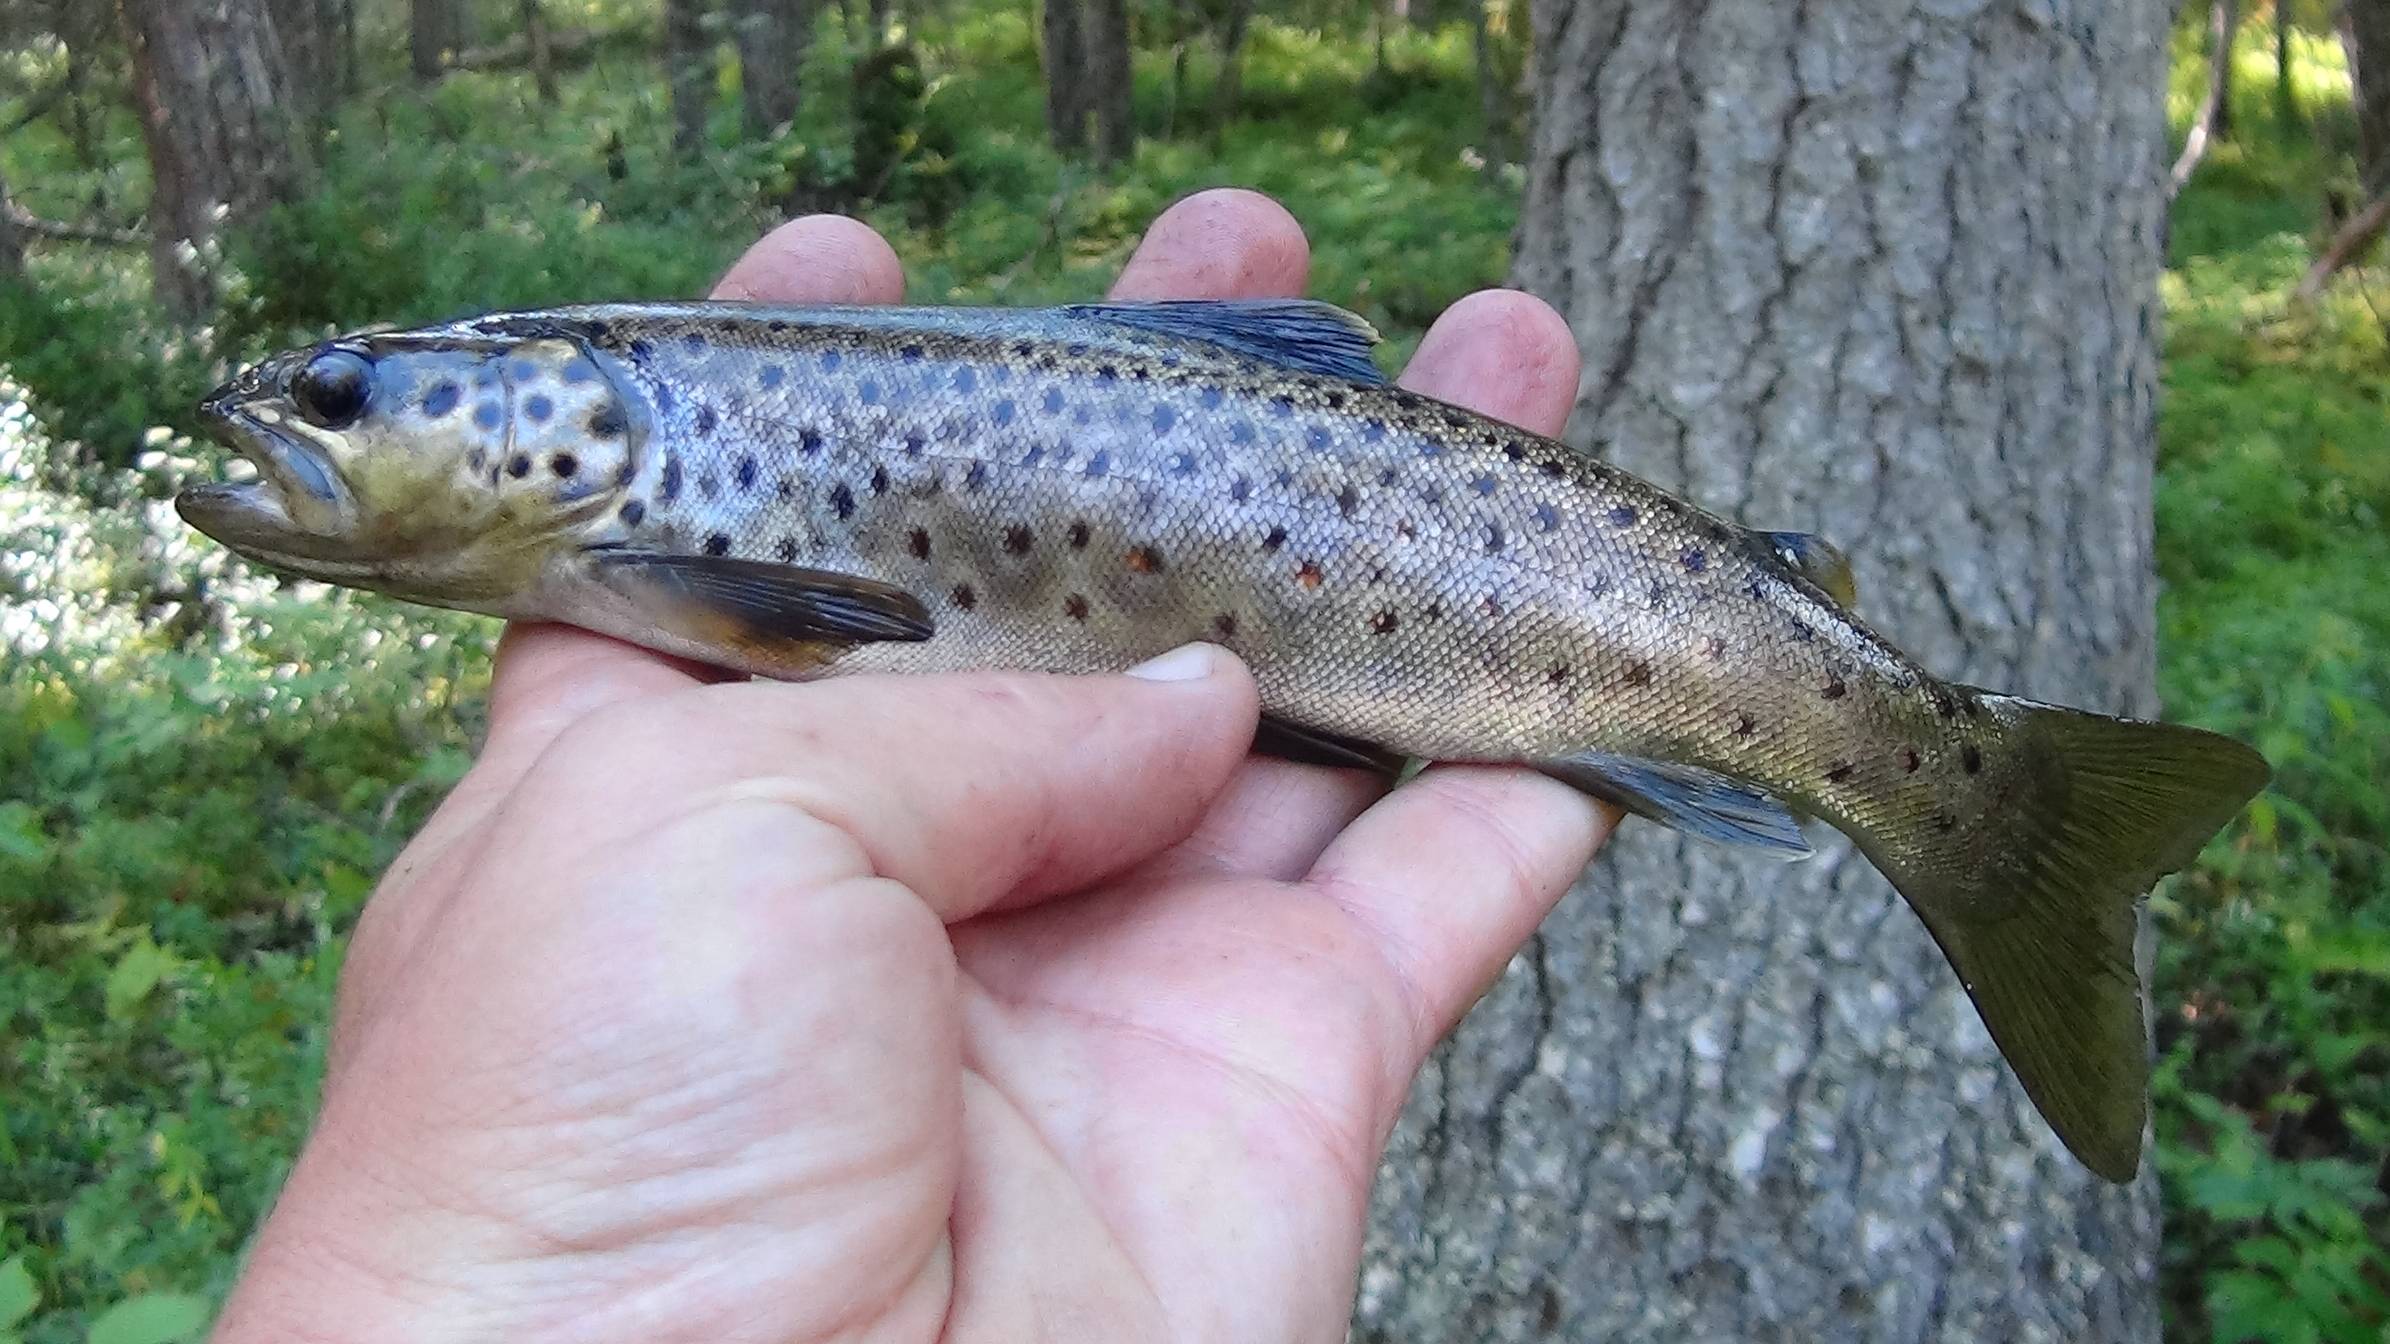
2346	246
2215	111
34	224
38	106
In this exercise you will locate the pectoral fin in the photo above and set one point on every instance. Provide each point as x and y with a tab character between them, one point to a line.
1687	798
756	604
1308	746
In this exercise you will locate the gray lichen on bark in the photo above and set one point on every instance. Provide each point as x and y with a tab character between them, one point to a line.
1886	272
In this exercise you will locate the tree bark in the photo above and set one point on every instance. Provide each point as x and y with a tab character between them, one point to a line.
1889	275
773	37
2368	35
1108	73
435	33
2214	121
689	71
2286	98
217	111
1492	107
1066	80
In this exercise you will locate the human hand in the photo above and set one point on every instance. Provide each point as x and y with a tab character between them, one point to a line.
933	1008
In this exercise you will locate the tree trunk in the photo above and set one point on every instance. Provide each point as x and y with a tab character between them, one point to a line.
2286	98
2368	35
1109	78
773	37
2214	120
1066	77
436	32
1891	277
214	96
689	70
12	248
1232	63
1491	106
534	21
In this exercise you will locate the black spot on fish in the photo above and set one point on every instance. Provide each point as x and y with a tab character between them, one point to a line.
1970	760
1075	349
709	485
1495	539
1745	725
842	501
1713	647
1553	467
608	421
1318	437
964	597
695	341
1022	349
776	326
1099	465
771	376
1282	406
1106	375
879	480
441	399
1492	606
1943	704
1835	689
785	487
1945	823
1140	373
1557	676
1240	489
1430	446
1308	574
1002	413
669	489
1638	673
519	465
706	419
1143	560
1334	401
564	464
640	349
1694	560
1224	625
477	461
1623	515
1182	464
1547	517
1164	418
1275	539
485	415
1802	634
1053	402
1910	760
665	400
1075	606
538	408
1078	534
1383	623
1839	771
1348	500
633	512
1514	450
910	354
914	443
1017	540
1210	398
718	544
744	472
917	542
976	477
786	548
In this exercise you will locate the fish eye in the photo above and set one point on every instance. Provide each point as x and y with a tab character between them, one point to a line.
331	391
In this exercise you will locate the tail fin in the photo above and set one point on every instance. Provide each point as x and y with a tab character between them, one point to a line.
2036	905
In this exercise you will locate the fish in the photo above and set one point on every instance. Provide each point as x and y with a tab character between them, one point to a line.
796	492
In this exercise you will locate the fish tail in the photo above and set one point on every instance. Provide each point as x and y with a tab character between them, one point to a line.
2036	903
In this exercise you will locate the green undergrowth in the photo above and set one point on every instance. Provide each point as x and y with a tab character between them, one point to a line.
202	770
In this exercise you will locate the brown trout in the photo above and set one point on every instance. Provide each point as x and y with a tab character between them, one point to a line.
796	492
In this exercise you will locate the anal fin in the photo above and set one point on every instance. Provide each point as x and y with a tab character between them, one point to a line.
1701	803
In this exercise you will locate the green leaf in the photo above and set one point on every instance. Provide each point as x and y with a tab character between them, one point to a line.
18	1295
137	972
21	835
151	1318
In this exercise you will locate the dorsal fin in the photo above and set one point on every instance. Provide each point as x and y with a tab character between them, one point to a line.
1300	334
1818	561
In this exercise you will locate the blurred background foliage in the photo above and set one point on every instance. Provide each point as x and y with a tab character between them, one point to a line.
202	769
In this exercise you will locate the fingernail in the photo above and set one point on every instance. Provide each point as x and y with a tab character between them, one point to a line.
1187	662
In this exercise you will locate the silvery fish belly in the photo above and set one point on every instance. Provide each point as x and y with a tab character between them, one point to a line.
808	492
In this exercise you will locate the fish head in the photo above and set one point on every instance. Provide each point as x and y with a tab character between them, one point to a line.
441	465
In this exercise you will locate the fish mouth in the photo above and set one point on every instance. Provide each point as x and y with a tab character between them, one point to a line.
296	508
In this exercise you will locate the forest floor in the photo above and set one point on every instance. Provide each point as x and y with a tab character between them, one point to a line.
200	779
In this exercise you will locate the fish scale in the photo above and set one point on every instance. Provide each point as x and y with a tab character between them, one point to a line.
807	492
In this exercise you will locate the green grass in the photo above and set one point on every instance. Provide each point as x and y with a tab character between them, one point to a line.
201	771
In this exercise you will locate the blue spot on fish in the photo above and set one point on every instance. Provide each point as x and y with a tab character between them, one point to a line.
965	380
441	399
868	392
1053	401
539	408
1547	517
1003	413
1164	418
771	376
1100	464
830	361
1182	464
485	415
809	440
1210	398
976	477
1483	485
1317	436
1623	515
